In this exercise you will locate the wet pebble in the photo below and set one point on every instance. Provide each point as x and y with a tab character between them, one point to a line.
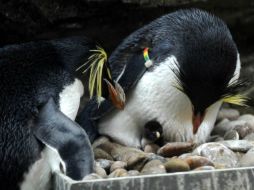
117	165
217	153
238	145
185	155
231	114
222	127
134	157
244	130
249	119
225	126
225	150
133	173
152	156
100	141
231	135
105	164
153	167
151	148
176	165
249	137
92	176
247	159
101	154
198	161
215	138
118	173
175	149
100	171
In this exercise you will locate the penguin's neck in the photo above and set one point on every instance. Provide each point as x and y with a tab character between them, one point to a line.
158	90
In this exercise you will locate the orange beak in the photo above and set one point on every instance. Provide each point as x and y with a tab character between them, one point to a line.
116	95
196	121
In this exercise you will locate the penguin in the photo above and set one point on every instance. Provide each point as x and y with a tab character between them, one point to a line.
152	133
176	70
41	89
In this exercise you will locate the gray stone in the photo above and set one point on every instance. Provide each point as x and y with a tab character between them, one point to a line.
222	127
176	165
92	176
118	173
238	145
133	173
117	165
101	154
215	138
134	158
100	171
100	141
151	148
231	135
231	114
243	131
218	154
247	159
105	164
249	119
152	156
249	137
153	167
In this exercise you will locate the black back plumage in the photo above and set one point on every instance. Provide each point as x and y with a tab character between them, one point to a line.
30	74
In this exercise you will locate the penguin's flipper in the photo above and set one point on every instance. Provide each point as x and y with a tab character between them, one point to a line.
56	130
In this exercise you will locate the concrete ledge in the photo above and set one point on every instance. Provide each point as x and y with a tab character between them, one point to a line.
226	179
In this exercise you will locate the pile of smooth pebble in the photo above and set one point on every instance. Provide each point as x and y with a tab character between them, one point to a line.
231	145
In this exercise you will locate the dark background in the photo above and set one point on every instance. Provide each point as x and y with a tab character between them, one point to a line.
108	22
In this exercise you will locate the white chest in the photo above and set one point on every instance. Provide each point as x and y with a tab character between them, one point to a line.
155	97
39	174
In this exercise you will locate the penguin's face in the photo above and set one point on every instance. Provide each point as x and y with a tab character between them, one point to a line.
209	76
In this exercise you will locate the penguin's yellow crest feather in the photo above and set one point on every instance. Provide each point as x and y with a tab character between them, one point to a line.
237	99
95	63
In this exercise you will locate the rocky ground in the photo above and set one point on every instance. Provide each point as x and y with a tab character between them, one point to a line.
108	22
231	145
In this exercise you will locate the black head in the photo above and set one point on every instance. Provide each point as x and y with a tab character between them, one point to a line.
207	60
206	68
206	57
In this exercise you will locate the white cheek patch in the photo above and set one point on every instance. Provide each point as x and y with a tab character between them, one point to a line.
70	99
